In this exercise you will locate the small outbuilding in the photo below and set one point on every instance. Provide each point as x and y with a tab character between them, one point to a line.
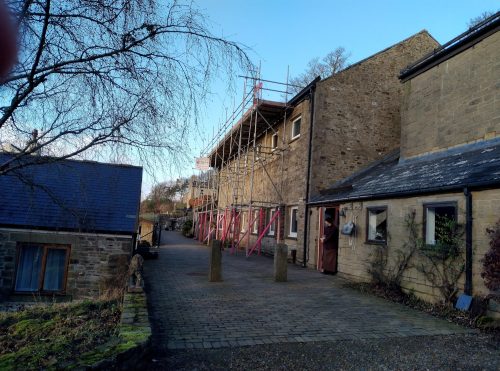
67	227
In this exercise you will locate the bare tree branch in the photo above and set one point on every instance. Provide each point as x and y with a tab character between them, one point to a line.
109	78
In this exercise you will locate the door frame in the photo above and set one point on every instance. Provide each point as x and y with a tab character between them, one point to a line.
320	231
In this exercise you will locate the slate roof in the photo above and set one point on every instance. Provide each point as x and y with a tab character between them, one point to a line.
71	195
453	47
475	165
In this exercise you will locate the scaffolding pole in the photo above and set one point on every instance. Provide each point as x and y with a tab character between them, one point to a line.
237	158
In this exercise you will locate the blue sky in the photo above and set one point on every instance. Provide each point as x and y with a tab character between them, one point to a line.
287	34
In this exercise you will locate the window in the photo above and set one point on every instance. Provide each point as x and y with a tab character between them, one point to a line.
376	225
258	152
42	268
274	141
271	229
296	128
255	225
293	221
439	223
243	221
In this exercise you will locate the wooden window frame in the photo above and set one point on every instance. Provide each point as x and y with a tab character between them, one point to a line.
376	208
426	205
46	247
296	136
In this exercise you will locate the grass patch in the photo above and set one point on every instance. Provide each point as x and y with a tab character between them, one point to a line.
54	336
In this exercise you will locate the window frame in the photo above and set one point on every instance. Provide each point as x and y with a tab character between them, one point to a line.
274	146
272	228
376	208
290	233
243	222
426	205
258	152
255	224
293	135
46	247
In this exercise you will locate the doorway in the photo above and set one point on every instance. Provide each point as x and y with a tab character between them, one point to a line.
329	248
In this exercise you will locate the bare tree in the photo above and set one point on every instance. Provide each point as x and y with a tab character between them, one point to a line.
108	79
164	196
332	63
476	20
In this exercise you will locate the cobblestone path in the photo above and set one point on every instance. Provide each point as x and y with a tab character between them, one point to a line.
249	308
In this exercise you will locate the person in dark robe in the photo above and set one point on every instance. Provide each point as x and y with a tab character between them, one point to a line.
330	246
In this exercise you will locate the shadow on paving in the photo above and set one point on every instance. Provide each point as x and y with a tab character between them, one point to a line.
441	352
192	317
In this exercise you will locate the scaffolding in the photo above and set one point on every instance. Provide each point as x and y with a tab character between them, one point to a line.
235	154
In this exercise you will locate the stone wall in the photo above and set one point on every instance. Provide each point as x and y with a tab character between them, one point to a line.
279	177
453	103
355	254
96	262
357	112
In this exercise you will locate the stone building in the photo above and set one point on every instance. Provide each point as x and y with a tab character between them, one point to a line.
66	227
278	153
443	182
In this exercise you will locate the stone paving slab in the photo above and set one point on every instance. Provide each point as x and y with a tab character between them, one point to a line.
249	308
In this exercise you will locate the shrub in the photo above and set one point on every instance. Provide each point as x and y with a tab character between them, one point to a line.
491	260
187	228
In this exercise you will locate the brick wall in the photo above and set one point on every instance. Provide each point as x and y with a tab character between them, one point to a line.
453	103
96	261
357	112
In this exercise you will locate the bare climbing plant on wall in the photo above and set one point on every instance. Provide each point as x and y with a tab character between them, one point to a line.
443	262
491	261
390	274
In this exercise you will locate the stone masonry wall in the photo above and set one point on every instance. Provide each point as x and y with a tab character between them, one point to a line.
455	102
276	180
355	254
97	262
357	112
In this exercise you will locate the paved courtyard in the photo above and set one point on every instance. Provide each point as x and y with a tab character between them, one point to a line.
249	308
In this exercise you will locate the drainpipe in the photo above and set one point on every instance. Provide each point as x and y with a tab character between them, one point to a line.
468	242
309	156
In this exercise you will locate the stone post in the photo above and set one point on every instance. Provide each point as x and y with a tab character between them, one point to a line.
280	262
215	270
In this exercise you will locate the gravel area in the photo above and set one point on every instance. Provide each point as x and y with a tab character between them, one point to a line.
447	352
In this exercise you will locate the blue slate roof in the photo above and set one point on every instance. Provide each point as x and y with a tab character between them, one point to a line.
470	166
71	195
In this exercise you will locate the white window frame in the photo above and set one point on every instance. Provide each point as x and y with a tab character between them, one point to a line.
430	219
255	225
274	145
371	225
295	135
243	221
290	232
272	230
258	152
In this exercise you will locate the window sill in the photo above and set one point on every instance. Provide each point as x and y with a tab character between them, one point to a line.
38	293
380	243
294	138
